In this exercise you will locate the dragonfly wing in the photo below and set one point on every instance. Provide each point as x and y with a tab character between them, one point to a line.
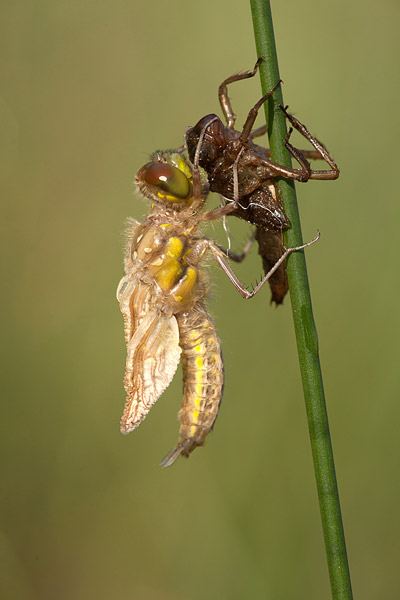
153	355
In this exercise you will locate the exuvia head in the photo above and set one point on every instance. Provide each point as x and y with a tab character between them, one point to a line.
213	137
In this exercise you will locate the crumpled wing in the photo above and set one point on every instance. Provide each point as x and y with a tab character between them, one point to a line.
153	355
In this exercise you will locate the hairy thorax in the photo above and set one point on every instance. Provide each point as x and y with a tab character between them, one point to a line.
165	254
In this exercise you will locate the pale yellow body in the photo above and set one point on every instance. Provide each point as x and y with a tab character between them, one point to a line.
162	301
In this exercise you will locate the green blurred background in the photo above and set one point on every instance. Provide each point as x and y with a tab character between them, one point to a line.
89	89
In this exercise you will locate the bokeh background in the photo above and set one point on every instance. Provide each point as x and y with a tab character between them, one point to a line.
89	90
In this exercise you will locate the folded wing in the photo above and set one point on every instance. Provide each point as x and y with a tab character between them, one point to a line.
153	351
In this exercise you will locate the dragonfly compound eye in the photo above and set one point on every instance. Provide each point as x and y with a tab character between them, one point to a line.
169	179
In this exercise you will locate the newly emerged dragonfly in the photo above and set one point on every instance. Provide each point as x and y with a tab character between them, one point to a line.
224	152
162	298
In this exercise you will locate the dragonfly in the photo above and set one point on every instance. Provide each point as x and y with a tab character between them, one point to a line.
226	153
162	297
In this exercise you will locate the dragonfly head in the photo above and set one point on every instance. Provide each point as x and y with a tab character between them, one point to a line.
168	179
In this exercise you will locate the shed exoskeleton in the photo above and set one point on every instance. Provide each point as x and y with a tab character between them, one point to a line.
222	150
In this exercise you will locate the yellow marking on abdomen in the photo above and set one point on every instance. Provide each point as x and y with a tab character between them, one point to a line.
199	376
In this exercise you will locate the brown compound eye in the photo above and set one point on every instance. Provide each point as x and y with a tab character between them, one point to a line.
169	179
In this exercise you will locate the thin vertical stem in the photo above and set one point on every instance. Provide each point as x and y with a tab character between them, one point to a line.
306	334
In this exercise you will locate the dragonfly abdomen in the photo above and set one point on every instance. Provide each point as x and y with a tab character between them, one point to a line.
203	380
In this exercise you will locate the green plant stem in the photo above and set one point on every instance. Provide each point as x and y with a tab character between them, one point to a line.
306	335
